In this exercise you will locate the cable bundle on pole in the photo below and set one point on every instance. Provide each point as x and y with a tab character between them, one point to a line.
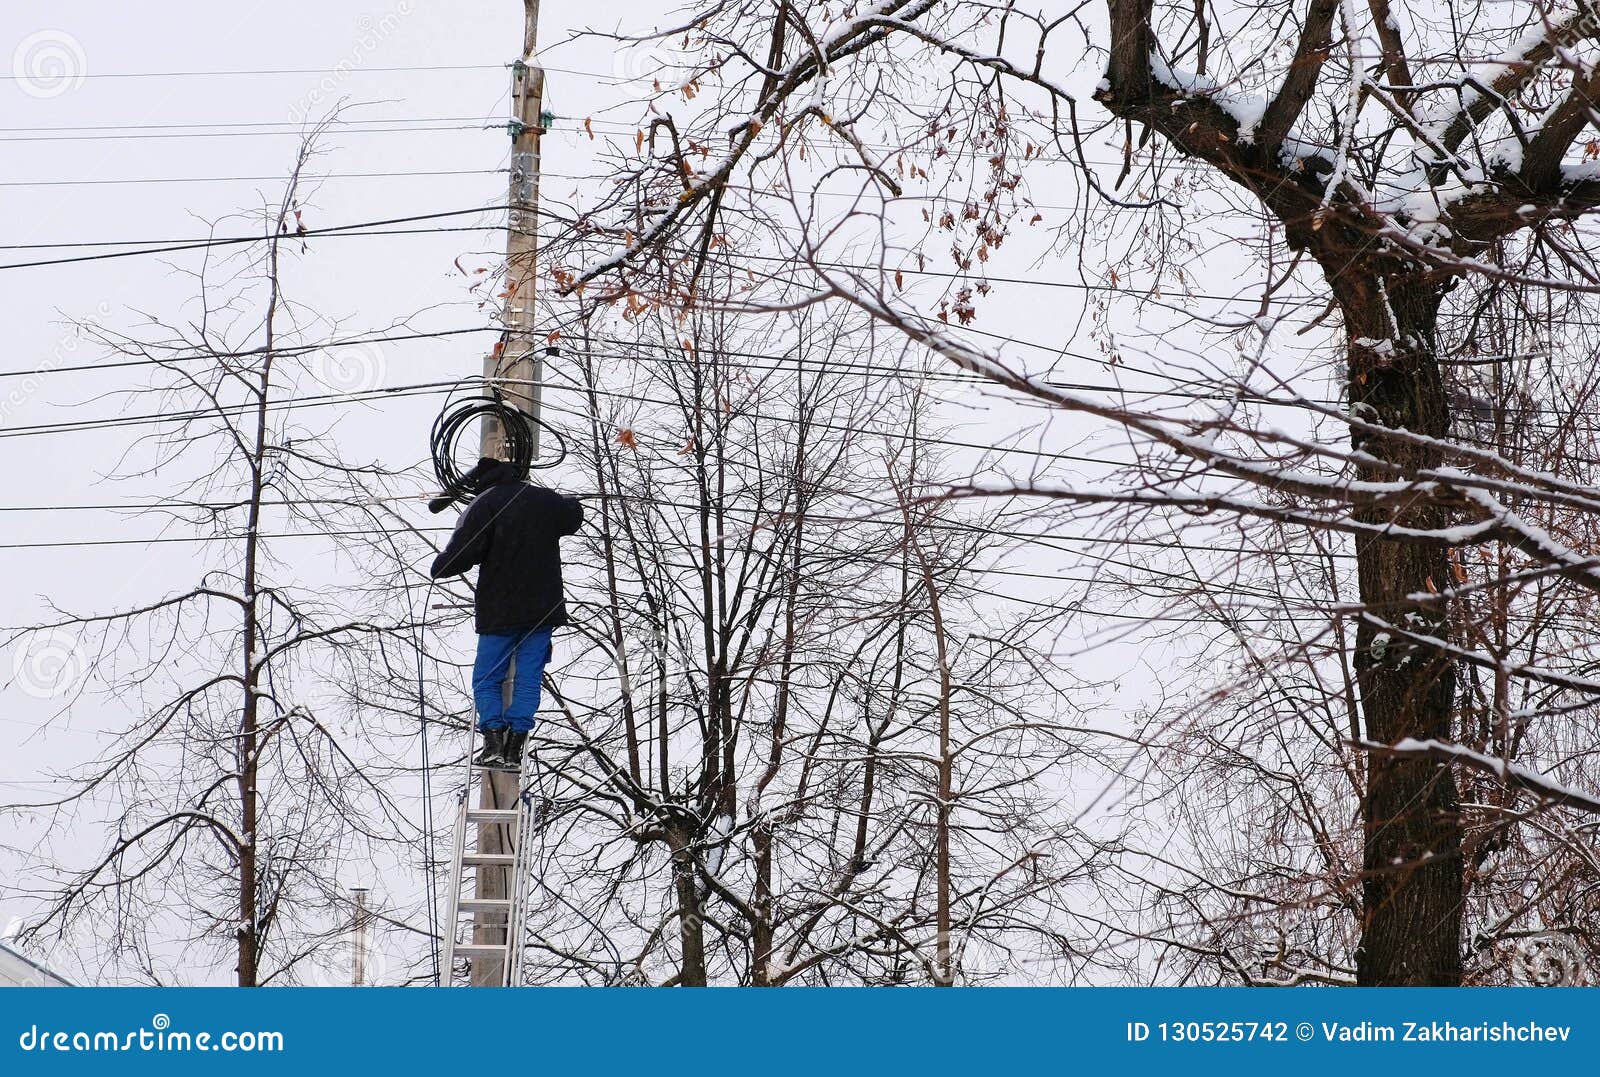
457	419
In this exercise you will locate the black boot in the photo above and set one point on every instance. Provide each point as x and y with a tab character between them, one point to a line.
492	754
511	753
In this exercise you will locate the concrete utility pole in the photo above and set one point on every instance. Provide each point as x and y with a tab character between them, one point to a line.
516	359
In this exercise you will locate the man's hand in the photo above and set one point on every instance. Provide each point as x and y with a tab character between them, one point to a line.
466	484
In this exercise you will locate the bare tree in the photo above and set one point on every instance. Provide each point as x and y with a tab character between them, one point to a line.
240	790
1381	166
761	772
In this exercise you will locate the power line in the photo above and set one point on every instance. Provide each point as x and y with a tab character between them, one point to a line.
230	124
263	133
984	278
348	69
1033	537
776	363
291	350
163	246
229	241
227	410
422	389
353	70
824	365
990	570
1233	589
246	179
1220	617
428	388
831	366
445	387
173	245
367	532
283	237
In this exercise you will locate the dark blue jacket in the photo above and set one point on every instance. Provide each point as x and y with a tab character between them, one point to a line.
513	530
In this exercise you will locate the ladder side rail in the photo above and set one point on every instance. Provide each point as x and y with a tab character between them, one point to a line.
458	846
517	914
458	851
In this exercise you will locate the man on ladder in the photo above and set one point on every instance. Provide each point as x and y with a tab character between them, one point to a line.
512	529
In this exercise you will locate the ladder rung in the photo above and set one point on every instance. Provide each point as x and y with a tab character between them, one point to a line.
473	949
492	815
489	860
484	904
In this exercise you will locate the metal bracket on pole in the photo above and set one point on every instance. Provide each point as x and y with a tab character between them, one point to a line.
524	167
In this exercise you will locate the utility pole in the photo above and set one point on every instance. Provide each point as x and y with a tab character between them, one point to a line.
515	359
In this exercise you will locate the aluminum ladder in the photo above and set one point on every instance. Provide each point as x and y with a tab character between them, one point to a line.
482	836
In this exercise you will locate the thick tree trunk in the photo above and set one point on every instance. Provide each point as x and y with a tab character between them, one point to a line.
246	931
1412	877
1412	871
761	928
691	926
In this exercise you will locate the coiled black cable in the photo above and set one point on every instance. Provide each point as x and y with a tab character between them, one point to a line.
458	486
457	418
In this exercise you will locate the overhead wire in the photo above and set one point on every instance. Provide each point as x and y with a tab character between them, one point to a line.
414	128
346	70
359	228
78	426
127	180
776	361
371	532
1232	551
1045	538
922	272
1141	587
378	393
1128	291
291	125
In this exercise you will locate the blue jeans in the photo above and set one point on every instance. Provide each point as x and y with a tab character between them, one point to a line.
531	650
